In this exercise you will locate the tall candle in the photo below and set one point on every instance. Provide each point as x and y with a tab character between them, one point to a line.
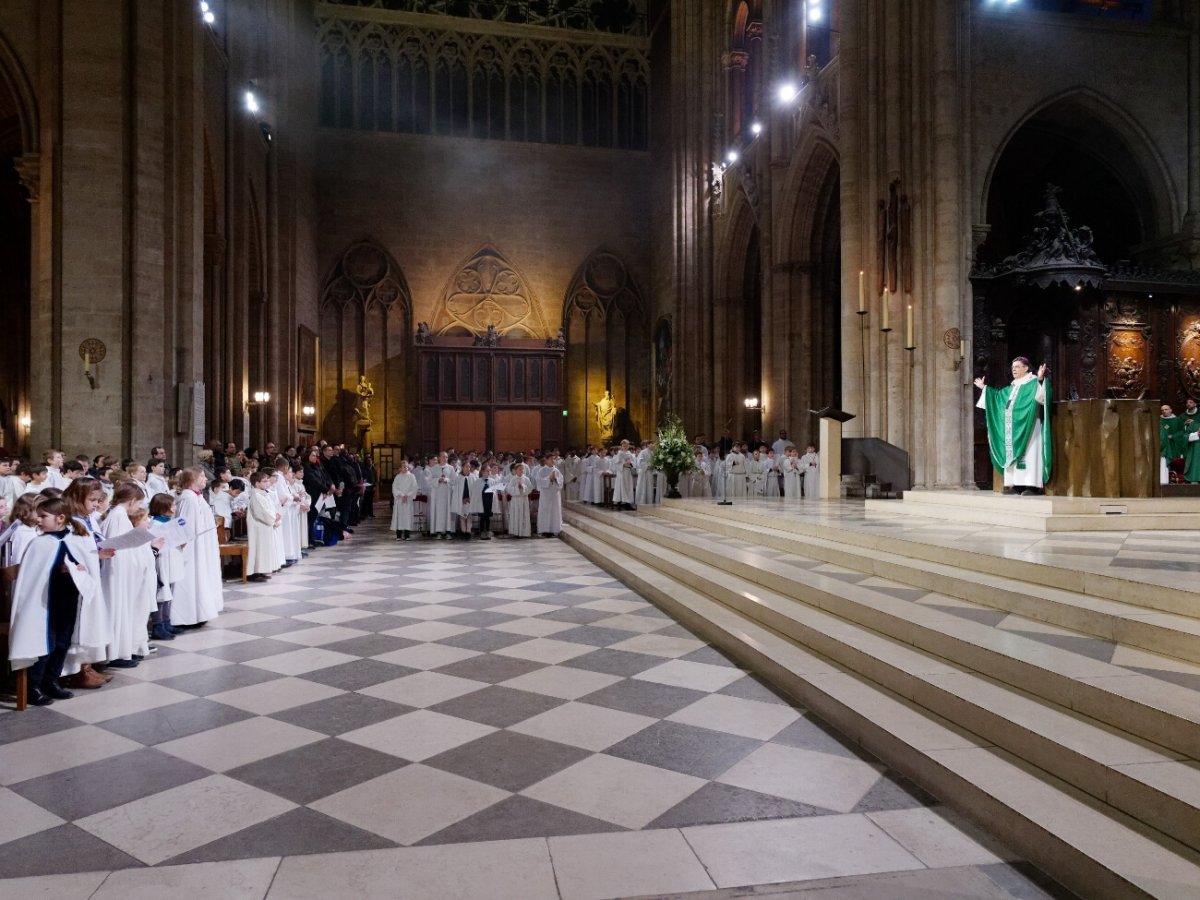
862	292
885	326
909	342
962	349
87	362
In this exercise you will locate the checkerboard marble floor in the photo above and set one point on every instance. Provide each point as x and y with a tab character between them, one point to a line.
478	719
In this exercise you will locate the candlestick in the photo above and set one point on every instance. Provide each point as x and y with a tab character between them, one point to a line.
886	326
962	349
909	330
87	362
862	292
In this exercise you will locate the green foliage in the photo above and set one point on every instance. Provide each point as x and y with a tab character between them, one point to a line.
673	451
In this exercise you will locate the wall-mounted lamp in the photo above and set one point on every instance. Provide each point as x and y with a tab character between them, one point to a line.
752	403
25	421
261	397
92	352
308	410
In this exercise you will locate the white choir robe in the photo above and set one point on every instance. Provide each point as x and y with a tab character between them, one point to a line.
622	467
11	487
573	469
464	487
771	476
792	476
283	498
124	580
550	488
600	471
719	477
55	479
287	527
263	558
28	638
198	594
756	476
643	489
735	480
303	504
809	463
156	484
518	490
15	547
404	496
80	653
587	476
441	500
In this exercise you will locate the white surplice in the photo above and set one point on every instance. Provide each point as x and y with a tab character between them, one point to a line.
198	594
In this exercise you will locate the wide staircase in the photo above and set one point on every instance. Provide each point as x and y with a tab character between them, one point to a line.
1058	708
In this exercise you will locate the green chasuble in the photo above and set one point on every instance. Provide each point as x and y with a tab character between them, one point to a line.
1010	424
1171	437
1191	453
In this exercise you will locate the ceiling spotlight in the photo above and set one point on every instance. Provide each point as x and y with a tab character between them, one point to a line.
203	5
251	102
732	156
787	92
756	128
814	13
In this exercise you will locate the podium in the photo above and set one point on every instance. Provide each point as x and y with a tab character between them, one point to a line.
1105	448
829	473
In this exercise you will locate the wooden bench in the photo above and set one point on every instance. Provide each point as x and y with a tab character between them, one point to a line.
228	548
8	577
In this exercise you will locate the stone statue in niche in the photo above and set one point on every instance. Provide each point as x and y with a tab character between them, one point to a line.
606	415
558	342
490	338
362	412
422	336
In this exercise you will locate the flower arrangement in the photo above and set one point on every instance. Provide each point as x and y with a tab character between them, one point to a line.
673	453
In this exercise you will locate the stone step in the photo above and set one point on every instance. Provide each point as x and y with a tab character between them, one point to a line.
1105	586
962	669
1088	845
1033	514
1125	623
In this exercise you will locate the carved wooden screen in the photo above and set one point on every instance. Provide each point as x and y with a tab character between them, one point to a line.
525	378
366	324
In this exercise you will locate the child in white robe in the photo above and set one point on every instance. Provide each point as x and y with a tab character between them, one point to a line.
263	519
124	581
771	474
198	595
809	463
792	475
23	527
58	580
550	488
404	497
168	566
517	491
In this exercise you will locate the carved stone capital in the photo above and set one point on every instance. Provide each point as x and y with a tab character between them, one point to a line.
29	171
736	59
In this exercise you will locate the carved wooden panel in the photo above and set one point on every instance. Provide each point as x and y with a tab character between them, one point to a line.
1187	350
1128	358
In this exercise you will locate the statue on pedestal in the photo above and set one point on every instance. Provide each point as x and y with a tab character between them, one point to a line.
606	416
362	412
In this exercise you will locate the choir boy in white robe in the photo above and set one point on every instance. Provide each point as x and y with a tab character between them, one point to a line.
717	473
22	529
464	507
517	489
771	474
404	497
156	478
623	465
793	476
54	462
602	475
587	475
198	594
646	476
263	520
491	489
283	499
735	468
124	581
573	470
809	463
57	583
550	488
441	500
756	474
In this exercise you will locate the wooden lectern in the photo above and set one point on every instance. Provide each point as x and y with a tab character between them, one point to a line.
829	473
1105	448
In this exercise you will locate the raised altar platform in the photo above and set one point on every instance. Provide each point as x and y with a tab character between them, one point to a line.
1047	513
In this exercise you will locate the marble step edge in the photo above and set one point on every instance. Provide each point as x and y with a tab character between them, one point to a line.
1095	851
1050	504
1164	714
1050	522
1109	587
1166	633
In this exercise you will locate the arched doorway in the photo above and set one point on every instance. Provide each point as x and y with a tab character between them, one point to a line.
1074	198
15	256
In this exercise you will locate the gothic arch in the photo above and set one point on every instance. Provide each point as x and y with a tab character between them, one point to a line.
14	77
366	329
1109	134
805	197
487	289
608	348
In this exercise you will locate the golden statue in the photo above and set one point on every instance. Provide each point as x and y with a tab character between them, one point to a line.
606	415
362	412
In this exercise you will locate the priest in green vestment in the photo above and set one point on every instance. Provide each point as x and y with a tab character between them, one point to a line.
1191	453
1018	425
1172	440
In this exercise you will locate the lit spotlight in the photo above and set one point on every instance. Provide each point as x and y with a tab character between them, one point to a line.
756	128
787	92
814	14
732	156
209	18
251	102
203	5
